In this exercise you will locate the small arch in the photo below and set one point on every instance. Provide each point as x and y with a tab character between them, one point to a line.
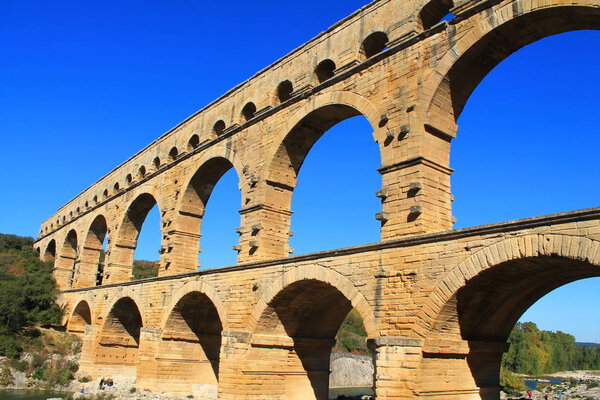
105	194
248	111
195	198
373	44
193	142
434	12
87	205
129	179
284	91
119	339
126	238
325	70
116	189
81	317
64	219
173	154
66	264
50	252
92	257
156	163
95	200
219	127
141	172
78	212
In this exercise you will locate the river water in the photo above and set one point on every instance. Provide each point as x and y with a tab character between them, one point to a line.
532	384
28	395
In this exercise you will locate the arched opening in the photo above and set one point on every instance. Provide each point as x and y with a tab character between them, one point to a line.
91	266
80	318
193	142
293	340
284	91
543	82
191	344
116	189
126	246
173	153
479	317
373	44
215	221
118	345
141	173
325	70
248	111
322	209
50	252
156	163
104	194
434	12
65	267
219	127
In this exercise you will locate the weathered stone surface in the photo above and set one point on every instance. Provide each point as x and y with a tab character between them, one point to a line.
437	304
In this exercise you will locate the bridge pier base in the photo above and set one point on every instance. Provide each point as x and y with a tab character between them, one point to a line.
86	362
396	360
148	371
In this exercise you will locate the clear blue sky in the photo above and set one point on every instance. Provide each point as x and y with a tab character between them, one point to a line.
76	78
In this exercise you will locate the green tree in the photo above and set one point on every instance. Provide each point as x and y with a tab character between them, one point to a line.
27	292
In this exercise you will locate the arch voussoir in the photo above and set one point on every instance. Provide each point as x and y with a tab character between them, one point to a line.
527	246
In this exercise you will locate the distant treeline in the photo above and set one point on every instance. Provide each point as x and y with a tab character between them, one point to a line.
536	352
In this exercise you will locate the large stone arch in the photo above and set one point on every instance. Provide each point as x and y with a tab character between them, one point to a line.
197	188
119	337
123	246
297	318
322	274
474	307
190	341
283	158
65	265
491	39
327	109
122	292
91	266
197	285
521	247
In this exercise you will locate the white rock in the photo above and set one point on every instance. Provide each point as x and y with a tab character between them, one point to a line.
204	392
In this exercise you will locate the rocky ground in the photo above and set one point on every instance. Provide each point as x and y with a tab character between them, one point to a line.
348	370
577	385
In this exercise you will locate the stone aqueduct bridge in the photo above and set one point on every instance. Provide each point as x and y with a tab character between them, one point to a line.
437	304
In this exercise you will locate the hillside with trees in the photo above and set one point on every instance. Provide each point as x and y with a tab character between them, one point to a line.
27	292
536	352
27	309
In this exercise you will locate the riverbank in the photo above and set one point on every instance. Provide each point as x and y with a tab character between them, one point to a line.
574	385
